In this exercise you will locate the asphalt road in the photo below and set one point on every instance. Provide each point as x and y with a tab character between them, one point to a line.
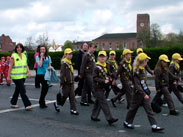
48	123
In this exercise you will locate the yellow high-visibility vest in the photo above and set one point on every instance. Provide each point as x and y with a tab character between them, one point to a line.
19	70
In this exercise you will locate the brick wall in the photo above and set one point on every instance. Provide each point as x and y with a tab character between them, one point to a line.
7	45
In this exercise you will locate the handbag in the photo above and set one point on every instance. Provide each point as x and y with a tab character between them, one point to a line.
59	96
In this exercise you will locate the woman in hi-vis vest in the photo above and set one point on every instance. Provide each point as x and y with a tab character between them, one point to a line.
18	71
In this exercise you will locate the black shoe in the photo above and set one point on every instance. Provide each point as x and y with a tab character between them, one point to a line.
74	112
37	86
126	125
112	121
56	107
113	103
174	112
50	86
91	101
43	106
84	104
95	119
157	129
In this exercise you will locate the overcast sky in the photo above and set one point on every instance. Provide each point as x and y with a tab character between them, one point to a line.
84	19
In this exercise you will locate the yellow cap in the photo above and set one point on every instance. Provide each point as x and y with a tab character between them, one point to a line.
67	51
177	56
164	58
139	50
112	52
142	56
127	51
102	53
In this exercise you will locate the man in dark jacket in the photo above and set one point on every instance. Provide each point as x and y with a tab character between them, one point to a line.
80	54
86	72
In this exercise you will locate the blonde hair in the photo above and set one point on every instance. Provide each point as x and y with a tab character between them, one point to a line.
136	64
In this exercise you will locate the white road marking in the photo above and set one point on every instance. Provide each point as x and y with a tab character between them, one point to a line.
165	114
23	108
121	131
137	125
31	99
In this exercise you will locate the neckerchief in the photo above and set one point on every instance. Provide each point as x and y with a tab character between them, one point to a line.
69	63
176	64
115	64
104	65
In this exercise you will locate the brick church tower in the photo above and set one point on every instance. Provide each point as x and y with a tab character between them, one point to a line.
143	22
143	26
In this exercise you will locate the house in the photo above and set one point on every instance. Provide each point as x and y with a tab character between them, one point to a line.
55	48
6	44
115	41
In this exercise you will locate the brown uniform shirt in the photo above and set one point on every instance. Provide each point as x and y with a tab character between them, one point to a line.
162	78
88	64
99	76
175	71
111	68
140	82
124	71
66	76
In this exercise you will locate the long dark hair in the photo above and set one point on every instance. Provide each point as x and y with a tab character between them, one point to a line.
21	46
38	48
160	67
46	53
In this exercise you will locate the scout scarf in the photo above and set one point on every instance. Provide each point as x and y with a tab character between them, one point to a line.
176	64
115	64
104	65
129	64
69	63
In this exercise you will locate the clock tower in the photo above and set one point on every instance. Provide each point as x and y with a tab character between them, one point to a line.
143	22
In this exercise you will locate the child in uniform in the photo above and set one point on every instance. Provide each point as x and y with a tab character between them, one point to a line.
100	80
141	94
67	82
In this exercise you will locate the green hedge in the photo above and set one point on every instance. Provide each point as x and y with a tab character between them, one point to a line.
154	53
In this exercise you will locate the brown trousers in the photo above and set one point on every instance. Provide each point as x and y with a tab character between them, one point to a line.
176	91
68	91
101	103
138	100
167	96
87	88
125	90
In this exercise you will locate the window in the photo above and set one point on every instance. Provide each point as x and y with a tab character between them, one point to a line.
117	45
103	46
110	46
124	45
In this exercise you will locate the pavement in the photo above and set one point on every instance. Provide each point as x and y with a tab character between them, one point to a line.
49	123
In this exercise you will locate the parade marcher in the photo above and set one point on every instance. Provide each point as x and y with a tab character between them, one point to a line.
18	71
141	95
162	82
140	50
100	80
67	82
80	54
2	69
113	68
86	72
37	82
7	65
125	72
174	68
43	63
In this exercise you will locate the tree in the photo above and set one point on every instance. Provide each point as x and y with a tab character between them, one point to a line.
43	40
29	43
68	44
150	39
155	35
143	37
